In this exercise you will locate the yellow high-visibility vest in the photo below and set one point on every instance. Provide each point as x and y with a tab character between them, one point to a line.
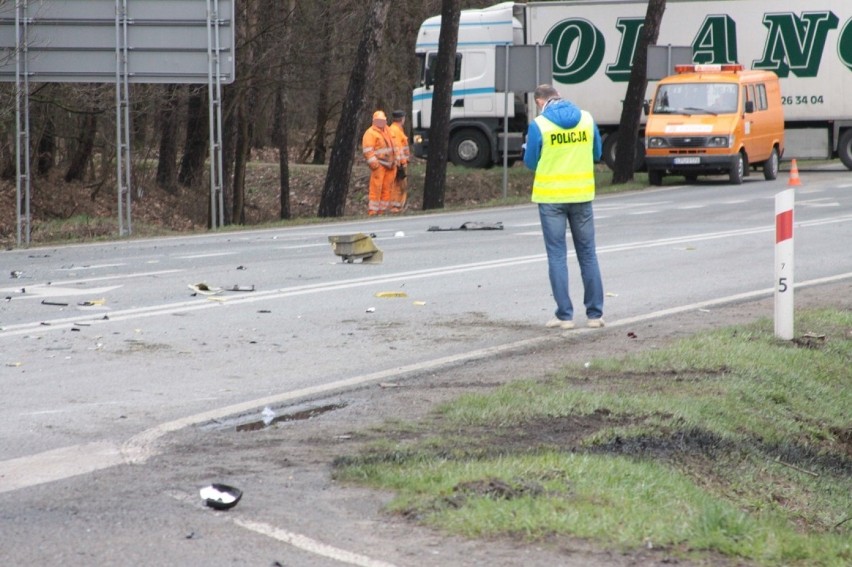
566	169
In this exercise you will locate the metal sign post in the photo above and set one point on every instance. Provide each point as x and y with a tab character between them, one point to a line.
120	42
531	66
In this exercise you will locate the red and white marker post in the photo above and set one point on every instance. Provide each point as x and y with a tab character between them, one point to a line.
784	203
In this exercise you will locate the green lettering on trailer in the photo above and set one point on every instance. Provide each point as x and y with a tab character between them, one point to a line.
716	41
630	29
582	39
795	44
844	44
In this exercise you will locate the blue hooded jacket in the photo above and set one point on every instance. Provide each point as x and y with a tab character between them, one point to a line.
563	114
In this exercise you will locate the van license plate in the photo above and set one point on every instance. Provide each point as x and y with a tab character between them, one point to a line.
687	160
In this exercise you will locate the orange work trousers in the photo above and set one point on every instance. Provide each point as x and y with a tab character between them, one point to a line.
398	196
381	186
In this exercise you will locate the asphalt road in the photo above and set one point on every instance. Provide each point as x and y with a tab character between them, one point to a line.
104	348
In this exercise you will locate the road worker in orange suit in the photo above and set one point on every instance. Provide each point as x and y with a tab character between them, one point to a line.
381	157
399	194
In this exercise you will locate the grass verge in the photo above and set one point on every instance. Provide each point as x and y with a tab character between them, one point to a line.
731	442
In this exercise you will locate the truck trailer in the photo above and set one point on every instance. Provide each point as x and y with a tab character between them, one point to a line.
807	43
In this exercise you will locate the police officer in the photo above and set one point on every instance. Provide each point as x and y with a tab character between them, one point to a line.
563	144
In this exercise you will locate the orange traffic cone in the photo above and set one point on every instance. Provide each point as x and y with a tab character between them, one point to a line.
794	175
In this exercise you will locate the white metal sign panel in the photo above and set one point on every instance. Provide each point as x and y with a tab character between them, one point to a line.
167	41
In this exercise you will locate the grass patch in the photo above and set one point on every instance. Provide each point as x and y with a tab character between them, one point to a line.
730	442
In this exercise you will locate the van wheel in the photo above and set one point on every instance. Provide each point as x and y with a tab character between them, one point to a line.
844	148
655	177
770	166
737	171
470	148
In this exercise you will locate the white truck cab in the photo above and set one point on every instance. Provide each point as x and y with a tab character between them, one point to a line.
477	141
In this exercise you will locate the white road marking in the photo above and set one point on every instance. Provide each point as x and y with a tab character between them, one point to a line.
58	464
210	255
94	267
311	545
41	290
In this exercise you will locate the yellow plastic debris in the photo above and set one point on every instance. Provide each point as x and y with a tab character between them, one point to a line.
387	294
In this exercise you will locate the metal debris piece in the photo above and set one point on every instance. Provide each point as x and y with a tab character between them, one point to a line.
16	274
470	225
204	289
220	496
56	303
356	246
237	287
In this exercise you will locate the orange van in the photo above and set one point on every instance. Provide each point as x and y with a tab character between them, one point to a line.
714	119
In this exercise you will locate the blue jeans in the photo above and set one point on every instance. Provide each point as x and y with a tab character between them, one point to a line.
580	217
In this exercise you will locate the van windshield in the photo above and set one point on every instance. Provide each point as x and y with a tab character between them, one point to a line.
696	98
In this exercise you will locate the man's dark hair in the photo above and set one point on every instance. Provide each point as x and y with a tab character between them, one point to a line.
545	92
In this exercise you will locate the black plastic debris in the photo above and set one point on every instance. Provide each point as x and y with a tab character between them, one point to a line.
220	496
16	274
470	225
56	303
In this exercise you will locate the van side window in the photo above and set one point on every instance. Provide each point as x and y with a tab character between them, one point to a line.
761	97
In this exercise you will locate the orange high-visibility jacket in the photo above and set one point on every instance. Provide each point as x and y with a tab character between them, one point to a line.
400	143
378	148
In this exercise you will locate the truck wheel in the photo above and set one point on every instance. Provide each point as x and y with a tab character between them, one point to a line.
655	177
737	171
470	148
770	166
609	146
844	148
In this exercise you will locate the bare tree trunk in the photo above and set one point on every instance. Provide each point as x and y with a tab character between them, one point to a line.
167	163
439	133
322	96
46	150
281	124
631	112
336	186
197	137
229	119
85	145
281	138
241	156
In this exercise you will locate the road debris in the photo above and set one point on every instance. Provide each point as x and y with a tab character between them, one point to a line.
55	303
470	225
237	287
220	496
356	246
391	294
204	289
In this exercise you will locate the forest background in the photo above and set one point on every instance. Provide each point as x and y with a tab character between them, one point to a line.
294	59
